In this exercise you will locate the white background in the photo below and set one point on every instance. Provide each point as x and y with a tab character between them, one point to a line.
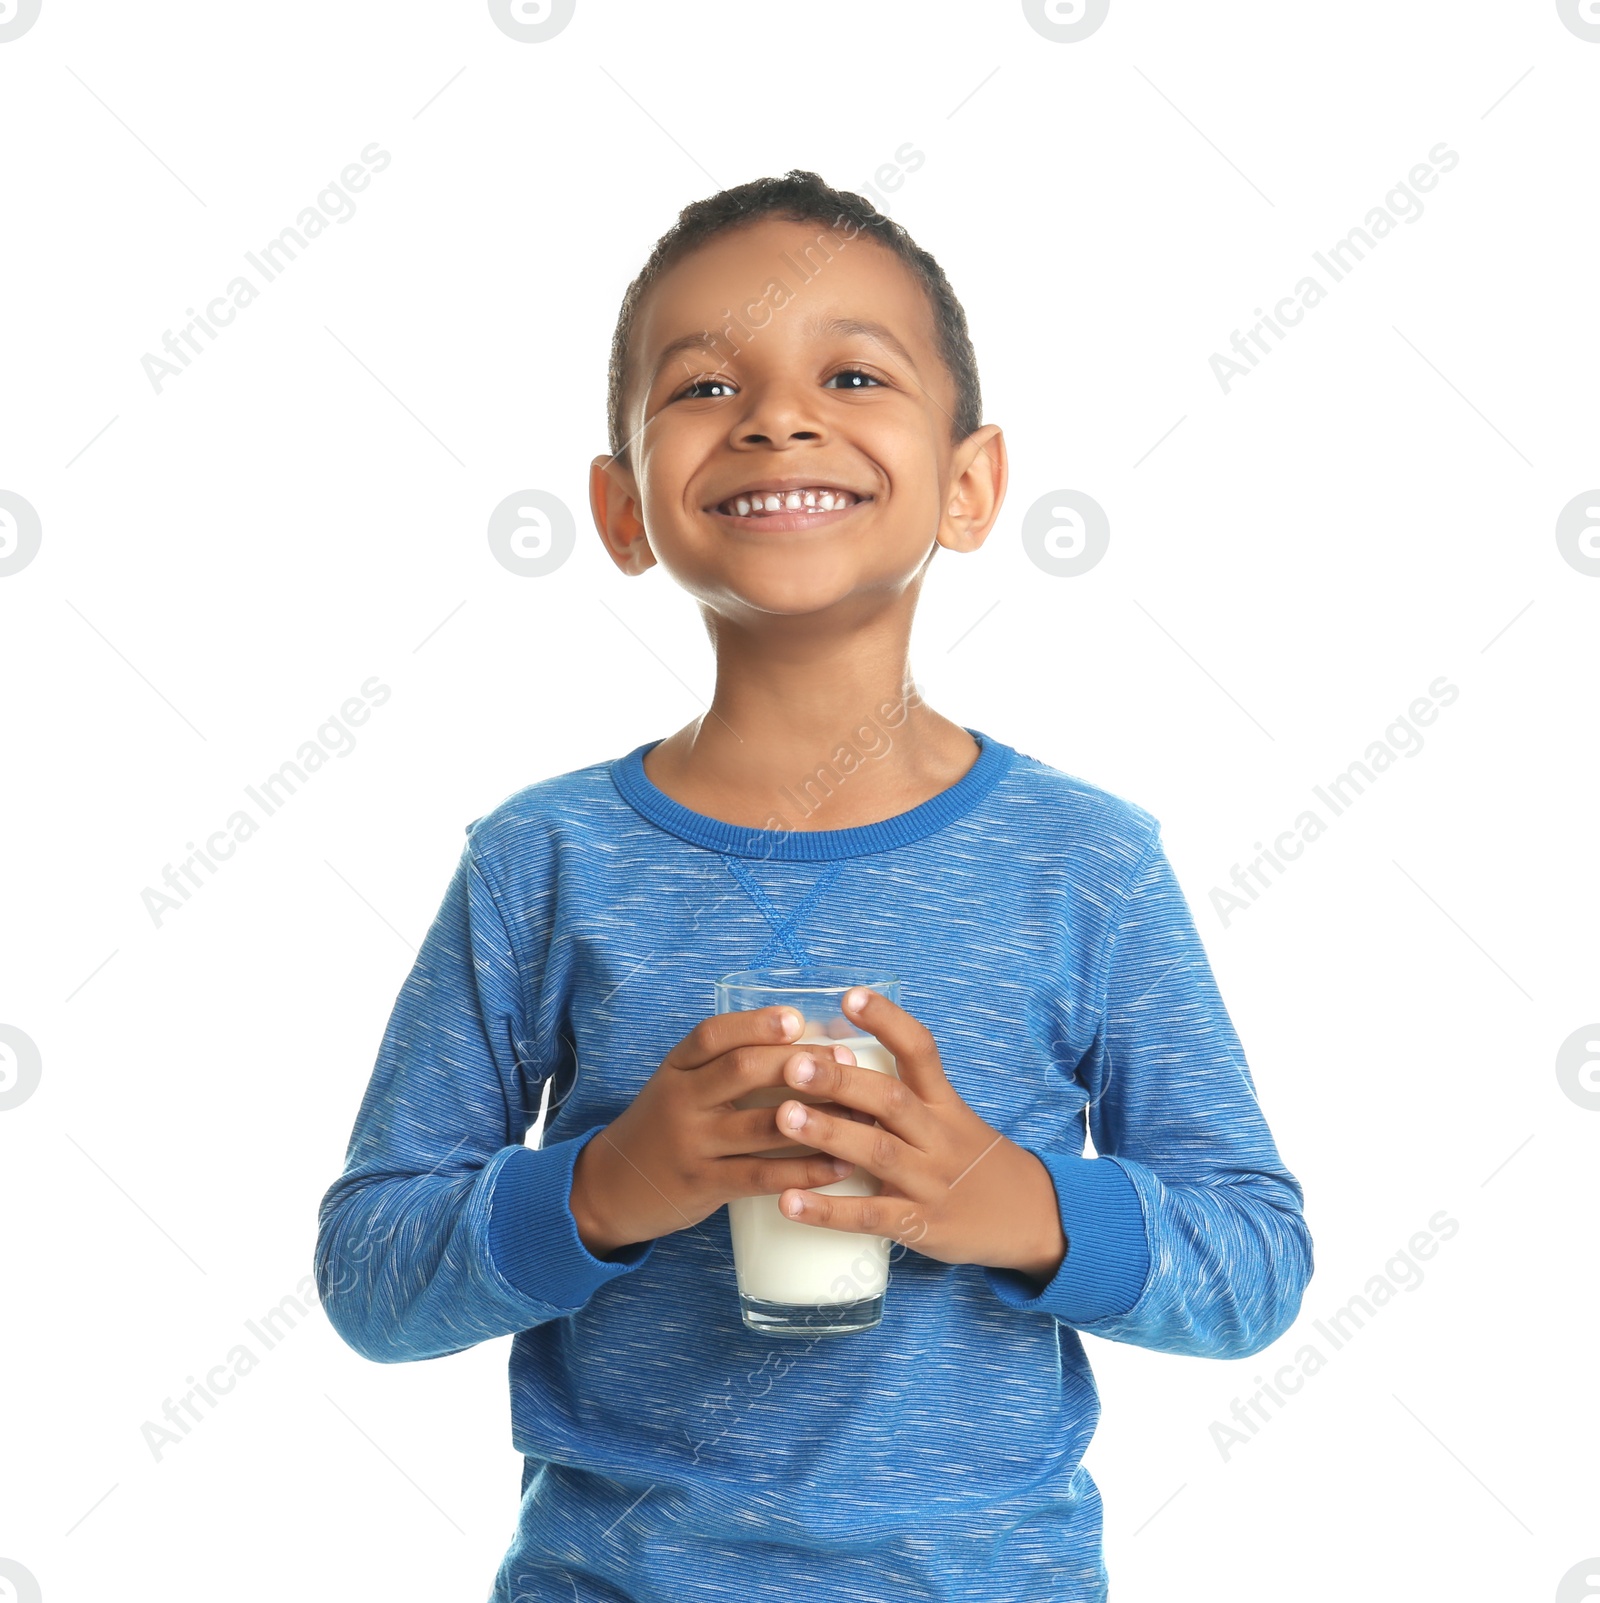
225	562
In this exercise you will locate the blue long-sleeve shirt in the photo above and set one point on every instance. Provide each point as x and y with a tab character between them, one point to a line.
1038	931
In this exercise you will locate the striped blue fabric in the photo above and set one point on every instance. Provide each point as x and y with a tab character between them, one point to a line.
1039	932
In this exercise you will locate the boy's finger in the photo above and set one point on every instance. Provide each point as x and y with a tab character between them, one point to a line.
916	1053
877	1096
754	1132
755	1073
723	1032
887	1155
896	1218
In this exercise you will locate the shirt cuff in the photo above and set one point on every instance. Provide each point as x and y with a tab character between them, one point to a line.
533	1238
1107	1261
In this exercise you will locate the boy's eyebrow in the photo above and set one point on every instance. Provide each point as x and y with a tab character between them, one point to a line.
873	331
705	340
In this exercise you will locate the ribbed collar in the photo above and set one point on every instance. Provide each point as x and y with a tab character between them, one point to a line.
642	794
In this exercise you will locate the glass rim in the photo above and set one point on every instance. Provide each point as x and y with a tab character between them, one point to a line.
802	981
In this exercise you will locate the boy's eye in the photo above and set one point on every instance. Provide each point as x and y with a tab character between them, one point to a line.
854	379
854	373
688	393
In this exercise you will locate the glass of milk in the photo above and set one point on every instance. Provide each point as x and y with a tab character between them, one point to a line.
798	1279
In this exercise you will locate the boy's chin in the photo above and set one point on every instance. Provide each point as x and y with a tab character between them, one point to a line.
804	595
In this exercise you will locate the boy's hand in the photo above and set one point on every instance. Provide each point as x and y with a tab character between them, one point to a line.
952	1186
681	1149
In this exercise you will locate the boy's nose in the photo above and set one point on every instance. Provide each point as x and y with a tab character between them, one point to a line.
751	437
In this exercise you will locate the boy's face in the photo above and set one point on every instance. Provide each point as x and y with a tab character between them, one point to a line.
766	395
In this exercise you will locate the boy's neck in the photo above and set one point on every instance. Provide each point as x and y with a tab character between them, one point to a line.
748	766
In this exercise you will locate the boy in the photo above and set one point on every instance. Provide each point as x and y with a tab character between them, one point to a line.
794	430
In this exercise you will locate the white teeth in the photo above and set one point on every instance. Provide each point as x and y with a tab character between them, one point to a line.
788	501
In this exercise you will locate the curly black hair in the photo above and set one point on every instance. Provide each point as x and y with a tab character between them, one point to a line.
800	197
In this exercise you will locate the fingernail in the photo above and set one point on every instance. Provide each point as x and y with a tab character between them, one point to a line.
843	1054
855	1000
805	1070
788	1021
795	1118
793	1206
841	1168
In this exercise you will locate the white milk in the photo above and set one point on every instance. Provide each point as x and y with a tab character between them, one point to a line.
781	1260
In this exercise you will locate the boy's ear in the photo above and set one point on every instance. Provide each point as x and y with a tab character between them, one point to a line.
978	475
614	501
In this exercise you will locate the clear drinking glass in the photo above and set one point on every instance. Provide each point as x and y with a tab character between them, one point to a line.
798	1279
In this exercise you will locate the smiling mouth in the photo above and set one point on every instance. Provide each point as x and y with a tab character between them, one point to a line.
758	504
